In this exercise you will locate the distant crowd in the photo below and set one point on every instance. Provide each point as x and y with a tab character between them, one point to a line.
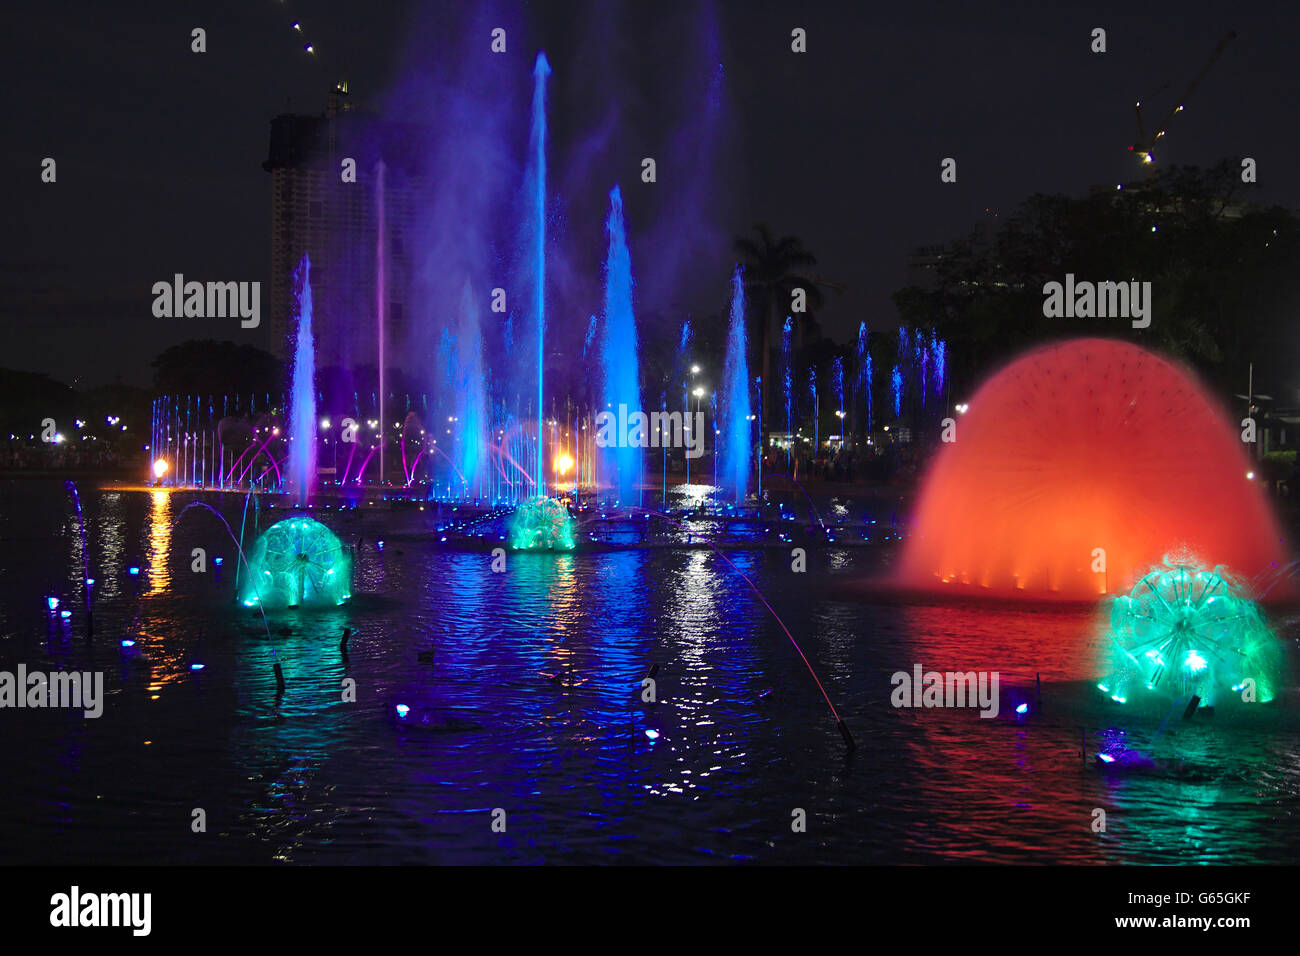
86	455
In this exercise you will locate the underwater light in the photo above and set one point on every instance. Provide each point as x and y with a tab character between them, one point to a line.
90	581
217	561
133	570
652	734
159	467
196	667
53	603
65	614
128	643
1022	709
402	710
1105	758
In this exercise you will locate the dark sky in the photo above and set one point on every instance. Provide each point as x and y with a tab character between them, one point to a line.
159	149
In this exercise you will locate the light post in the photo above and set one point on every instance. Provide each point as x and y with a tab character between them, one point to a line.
699	394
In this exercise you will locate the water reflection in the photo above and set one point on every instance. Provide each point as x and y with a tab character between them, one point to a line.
523	691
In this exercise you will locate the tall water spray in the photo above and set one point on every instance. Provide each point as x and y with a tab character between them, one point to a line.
302	410
863	386
939	349
734	449
381	297
621	460
837	380
787	385
467	376
537	200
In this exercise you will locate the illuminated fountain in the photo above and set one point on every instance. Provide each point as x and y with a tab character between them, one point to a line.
295	563
734	443
1079	465
621	462
302	411
1188	632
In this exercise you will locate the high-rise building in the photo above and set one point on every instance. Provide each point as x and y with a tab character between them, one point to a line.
316	210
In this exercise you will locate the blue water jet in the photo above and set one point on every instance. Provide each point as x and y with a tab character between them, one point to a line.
864	369
735	407
787	385
621	460
939	349
302	410
466	374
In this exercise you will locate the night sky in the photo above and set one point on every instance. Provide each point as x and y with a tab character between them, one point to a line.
159	150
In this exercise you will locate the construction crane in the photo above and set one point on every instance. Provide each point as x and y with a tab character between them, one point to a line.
1145	145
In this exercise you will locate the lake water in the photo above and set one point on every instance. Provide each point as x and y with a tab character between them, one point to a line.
585	771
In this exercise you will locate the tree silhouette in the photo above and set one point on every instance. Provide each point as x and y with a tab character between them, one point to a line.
773	270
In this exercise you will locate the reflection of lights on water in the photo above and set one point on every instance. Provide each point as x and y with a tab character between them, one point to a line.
196	667
65	614
1105	758
133	571
128	643
53	603
403	710
1022	709
652	734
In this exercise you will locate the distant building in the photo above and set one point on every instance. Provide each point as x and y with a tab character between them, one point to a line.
314	211
924	262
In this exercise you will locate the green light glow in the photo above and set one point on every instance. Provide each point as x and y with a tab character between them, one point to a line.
297	562
541	524
1184	630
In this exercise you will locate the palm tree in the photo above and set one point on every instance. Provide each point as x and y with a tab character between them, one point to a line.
772	272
